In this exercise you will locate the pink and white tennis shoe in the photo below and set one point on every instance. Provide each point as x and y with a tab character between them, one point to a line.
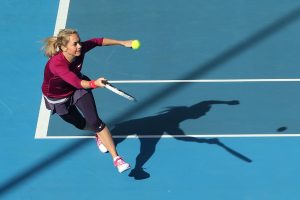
121	164
100	145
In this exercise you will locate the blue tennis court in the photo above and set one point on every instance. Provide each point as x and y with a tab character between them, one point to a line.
216	117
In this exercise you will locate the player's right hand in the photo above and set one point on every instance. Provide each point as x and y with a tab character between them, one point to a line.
100	82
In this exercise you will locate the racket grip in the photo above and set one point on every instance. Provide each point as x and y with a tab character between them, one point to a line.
105	82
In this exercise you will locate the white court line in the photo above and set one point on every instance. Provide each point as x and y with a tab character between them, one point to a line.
183	136
44	114
207	81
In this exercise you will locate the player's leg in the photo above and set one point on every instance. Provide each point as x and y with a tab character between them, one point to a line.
74	117
87	106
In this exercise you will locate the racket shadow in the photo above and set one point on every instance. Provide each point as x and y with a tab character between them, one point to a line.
150	129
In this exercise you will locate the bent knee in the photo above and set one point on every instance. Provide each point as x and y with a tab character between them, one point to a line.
96	127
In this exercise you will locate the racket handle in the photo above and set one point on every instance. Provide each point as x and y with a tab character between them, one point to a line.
105	82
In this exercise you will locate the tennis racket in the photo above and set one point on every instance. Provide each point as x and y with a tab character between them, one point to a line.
118	91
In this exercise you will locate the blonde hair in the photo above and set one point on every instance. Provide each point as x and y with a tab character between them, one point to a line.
52	45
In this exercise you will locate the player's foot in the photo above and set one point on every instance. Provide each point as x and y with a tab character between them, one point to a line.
121	164
100	145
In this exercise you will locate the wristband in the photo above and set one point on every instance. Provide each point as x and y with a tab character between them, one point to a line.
92	84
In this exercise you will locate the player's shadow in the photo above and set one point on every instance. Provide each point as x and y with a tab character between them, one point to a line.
166	122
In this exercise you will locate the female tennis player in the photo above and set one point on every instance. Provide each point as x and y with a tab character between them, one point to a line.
67	91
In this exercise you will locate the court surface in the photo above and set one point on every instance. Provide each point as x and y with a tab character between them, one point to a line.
217	115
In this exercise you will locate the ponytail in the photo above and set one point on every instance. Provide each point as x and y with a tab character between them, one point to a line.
52	45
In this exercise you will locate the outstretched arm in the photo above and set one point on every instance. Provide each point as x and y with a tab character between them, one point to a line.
109	42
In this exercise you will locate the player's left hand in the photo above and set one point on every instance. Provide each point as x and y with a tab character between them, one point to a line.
127	43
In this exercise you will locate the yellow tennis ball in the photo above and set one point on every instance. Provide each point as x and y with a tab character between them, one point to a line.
135	44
